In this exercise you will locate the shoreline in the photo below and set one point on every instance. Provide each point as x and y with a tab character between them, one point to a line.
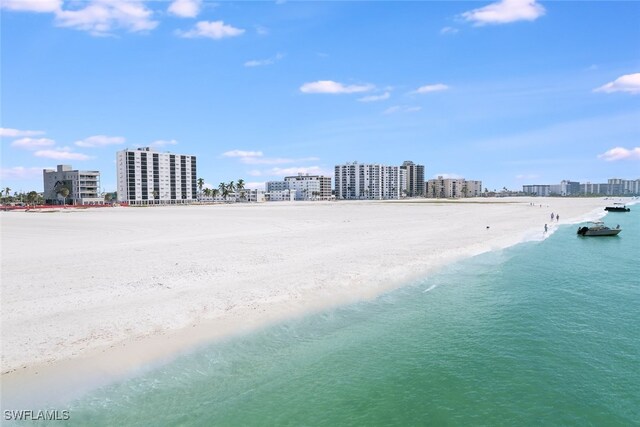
102	364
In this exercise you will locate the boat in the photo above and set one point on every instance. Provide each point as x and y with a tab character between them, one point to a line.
617	207
598	229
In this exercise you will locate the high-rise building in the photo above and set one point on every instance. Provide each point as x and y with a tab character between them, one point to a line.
415	179
83	186
310	187
355	181
148	177
537	190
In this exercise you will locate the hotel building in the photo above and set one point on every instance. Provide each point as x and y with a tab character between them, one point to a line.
415	179
83	186
354	181
149	177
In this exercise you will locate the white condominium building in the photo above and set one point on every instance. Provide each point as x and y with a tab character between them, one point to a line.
276	186
149	177
310	187
453	188
280	196
304	186
369	181
83	186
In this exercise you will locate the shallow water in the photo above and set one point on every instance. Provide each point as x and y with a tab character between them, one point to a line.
544	333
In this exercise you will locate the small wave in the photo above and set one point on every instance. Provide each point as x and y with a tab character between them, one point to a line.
429	289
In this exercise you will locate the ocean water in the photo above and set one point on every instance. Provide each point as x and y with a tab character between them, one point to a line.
543	333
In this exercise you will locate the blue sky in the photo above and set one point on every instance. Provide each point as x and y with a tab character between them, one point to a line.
512	92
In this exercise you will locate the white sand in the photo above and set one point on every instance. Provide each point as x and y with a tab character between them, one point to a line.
147	282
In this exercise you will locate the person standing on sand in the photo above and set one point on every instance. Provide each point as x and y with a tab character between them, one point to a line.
545	228
551	216
558	218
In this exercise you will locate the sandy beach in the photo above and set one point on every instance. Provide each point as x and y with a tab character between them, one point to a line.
110	290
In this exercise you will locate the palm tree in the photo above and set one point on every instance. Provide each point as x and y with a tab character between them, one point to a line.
7	191
240	188
214	193
231	187
223	188
64	192
200	185
32	196
207	192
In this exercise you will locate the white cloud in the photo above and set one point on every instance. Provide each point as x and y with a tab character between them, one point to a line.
61	154
505	11
431	88
312	170
214	30
620	153
257	158
185	8
100	17
629	83
31	5
256	185
329	86
262	31
260	62
449	30
100	141
274	160
163	143
20	172
255	172
16	133
401	109
32	143
374	98
242	153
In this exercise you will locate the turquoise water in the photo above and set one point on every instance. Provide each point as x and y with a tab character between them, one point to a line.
544	333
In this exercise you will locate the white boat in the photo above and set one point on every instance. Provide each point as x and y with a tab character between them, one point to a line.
598	229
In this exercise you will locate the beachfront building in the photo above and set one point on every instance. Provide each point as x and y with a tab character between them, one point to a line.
536	190
356	181
452	188
276	186
304	186
245	195
310	187
83	186
565	188
415	179
148	177
613	187
280	196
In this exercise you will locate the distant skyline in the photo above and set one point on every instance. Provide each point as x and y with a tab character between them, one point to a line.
511	92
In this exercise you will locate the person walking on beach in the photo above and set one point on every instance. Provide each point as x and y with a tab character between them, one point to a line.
558	218
545	228
551	216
